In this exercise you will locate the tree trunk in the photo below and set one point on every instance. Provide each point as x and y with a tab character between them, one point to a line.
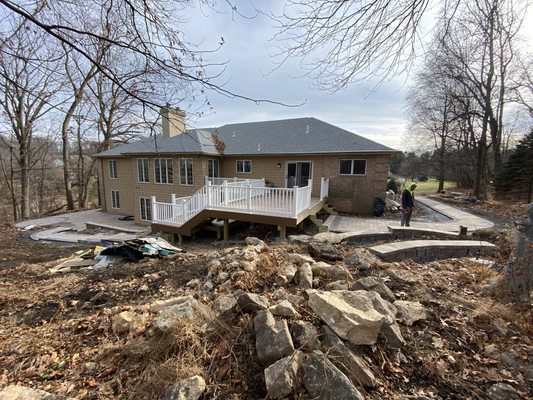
24	183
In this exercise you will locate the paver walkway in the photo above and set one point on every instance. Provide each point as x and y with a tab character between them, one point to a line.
457	217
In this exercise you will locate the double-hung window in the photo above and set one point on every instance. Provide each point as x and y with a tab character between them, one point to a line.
352	167
186	171
146	208
163	170
115	199
113	173
244	166
213	168
142	170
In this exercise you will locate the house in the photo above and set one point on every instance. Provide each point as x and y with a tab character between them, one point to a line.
277	172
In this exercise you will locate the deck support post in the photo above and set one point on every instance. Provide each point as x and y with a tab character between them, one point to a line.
282	232
226	229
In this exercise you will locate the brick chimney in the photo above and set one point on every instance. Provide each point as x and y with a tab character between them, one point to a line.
173	121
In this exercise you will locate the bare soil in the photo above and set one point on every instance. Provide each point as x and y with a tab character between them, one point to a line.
55	330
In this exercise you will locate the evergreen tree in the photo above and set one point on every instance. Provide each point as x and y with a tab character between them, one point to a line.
516	175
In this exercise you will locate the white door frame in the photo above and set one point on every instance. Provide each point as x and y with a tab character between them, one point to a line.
298	161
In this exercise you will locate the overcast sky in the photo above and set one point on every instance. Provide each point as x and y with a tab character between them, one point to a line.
248	49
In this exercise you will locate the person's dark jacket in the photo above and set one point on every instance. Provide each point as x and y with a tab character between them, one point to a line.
408	199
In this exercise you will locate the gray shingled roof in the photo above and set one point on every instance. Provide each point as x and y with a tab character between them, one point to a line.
289	136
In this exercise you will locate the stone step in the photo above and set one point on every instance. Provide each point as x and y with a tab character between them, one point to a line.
428	250
408	232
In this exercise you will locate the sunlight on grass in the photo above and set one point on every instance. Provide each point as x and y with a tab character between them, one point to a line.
431	185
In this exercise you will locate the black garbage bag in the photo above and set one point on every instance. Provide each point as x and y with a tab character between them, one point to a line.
124	251
379	207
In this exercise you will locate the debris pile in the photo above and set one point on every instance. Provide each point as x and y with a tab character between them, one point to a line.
312	321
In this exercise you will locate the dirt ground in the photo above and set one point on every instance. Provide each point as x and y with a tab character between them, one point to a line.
55	330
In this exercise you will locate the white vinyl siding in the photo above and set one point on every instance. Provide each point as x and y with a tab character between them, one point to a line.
163	170
142	170
244	166
113	173
352	167
115	199
146	208
186	171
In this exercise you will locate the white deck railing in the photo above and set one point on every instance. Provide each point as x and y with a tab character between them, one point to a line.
250	196
324	188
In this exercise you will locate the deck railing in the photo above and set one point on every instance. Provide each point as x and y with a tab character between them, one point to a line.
324	188
250	196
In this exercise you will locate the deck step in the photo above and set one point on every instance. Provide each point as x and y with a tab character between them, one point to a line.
429	250
318	222
329	209
407	232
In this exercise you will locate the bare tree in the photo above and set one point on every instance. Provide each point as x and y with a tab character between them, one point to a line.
28	82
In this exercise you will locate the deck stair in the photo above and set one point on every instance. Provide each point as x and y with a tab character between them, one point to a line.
429	250
329	209
319	223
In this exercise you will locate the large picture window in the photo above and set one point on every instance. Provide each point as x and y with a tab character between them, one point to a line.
163	170
115	199
352	167
244	166
146	208
186	171
213	168
113	173
142	169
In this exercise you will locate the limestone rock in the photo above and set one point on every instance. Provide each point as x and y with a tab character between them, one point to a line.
272	339
332	272
352	365
328	237
251	302
325	251
402	277
158	305
304	335
392	335
324	381
299	239
284	309
129	321
358	325
360	261
502	391
376	284
282	377
16	392
189	309
187	389
410	311
338	285
288	270
253	241
300	259
225	306
305	276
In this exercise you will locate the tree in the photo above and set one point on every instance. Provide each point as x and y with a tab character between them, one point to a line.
516	176
28	82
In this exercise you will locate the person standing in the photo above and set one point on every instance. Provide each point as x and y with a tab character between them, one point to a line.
408	203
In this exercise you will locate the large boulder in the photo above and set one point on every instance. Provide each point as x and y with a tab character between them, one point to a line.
282	377
357	323
16	392
299	259
304	335
272	339
410	311
324	381
252	302
187	389
325	251
376	284
284	309
189	310
351	364
305	276
225	306
331	272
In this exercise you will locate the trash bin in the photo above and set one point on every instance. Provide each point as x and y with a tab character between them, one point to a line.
379	207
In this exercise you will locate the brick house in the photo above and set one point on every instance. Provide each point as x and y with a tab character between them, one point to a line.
245	171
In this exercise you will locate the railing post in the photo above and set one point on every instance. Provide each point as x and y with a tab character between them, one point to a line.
249	197
208	193
295	202
225	186
206	180
154	208
173	198
322	188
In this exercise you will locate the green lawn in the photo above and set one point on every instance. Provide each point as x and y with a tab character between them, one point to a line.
431	185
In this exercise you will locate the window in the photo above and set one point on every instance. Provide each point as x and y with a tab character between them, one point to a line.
142	169
186	171
352	167
212	168
244	167
113	169
163	170
146	208
115	199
